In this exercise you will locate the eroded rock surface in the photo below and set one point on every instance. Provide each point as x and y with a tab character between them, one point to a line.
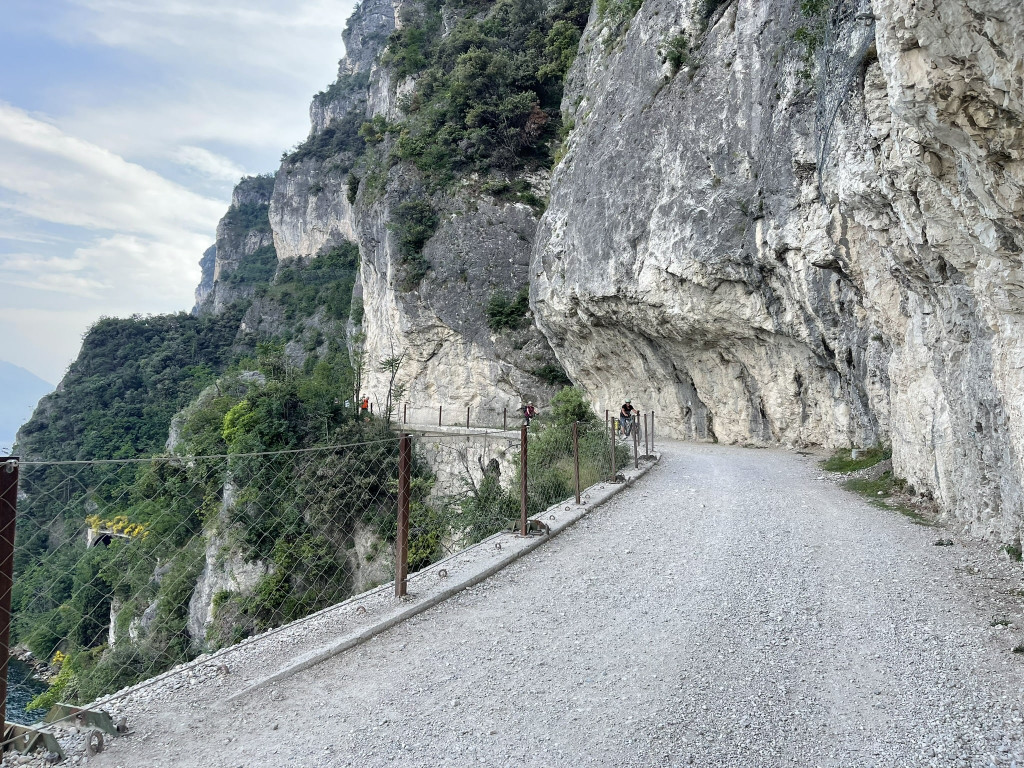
776	245
243	255
437	325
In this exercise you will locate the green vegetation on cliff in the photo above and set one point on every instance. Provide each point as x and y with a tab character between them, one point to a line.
243	394
486	101
131	376
488	93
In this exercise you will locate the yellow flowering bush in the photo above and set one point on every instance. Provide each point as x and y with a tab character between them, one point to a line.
118	524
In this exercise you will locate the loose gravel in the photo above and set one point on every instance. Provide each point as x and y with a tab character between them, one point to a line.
731	609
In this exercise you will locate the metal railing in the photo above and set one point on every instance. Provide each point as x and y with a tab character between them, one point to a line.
466	416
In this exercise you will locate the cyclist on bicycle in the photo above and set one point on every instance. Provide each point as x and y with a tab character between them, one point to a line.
627	418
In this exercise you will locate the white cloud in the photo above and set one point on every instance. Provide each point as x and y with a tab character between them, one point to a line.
50	273
239	72
159	276
210	164
245	36
220	88
139	236
58	178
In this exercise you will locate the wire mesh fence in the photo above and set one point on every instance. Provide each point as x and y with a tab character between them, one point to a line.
123	569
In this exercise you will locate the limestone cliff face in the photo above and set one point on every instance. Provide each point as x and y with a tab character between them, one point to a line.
311	210
244	252
482	246
452	358
782	245
207	264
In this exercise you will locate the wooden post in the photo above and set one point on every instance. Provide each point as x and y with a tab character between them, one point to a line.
636	445
467	417
504	418
576	458
8	515
402	541
439	415
647	450
611	435
405	413
652	431
522	480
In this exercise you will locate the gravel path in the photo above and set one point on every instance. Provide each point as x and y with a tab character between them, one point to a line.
732	609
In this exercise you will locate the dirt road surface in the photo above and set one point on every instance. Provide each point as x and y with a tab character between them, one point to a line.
732	609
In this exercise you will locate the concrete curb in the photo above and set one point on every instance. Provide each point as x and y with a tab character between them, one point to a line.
558	517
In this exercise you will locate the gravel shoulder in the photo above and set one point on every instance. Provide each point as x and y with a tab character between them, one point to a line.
731	609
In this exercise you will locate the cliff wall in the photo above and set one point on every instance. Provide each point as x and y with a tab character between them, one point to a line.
801	224
773	222
243	256
345	183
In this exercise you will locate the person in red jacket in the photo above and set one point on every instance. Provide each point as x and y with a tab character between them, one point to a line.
529	411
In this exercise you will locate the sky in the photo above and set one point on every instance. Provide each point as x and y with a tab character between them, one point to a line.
124	125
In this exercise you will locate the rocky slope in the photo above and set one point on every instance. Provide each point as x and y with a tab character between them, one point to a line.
801	223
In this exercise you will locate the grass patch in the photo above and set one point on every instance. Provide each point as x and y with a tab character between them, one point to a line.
1000	621
880	492
1014	551
843	461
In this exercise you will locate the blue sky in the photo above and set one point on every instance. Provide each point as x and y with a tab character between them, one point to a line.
124	124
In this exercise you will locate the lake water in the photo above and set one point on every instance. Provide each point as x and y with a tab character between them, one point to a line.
21	689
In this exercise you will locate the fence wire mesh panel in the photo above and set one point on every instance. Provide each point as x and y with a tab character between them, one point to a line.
471	493
124	569
474	489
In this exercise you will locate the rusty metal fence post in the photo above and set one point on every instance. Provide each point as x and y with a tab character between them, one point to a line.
652	431
402	541
439	415
8	512
467	417
611	434
504	418
405	413
647	450
636	445
576	458
522	479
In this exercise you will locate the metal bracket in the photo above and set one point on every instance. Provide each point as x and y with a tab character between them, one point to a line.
27	740
82	718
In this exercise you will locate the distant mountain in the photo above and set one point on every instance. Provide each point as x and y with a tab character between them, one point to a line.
20	390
